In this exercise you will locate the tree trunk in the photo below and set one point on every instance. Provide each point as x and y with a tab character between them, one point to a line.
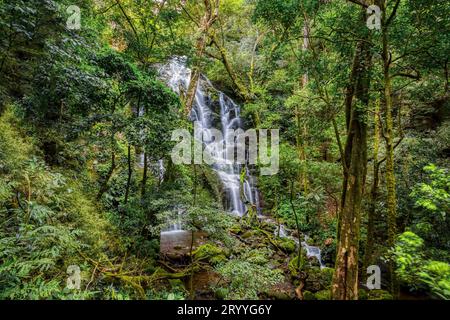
130	172
373	193
104	185
241	89
389	138
345	279
297	225
144	176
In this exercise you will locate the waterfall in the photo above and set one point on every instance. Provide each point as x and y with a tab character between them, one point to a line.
213	109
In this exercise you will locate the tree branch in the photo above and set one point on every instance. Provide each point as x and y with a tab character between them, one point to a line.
393	13
359	2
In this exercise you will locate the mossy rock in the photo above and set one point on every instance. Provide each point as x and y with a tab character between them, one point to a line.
308	295
211	253
249	234
379	295
323	295
270	227
278	295
287	245
281	291
318	279
221	293
236	229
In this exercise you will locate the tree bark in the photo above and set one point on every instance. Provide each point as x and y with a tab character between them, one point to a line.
144	176
104	186
345	279
374	192
389	139
130	172
241	89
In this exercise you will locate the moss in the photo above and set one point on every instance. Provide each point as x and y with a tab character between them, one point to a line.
176	284
211	253
323	295
248	234
257	256
236	229
294	262
318	279
287	245
362	294
379	295
308	295
277	294
221	293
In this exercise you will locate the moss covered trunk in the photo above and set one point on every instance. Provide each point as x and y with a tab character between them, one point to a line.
345	279
371	214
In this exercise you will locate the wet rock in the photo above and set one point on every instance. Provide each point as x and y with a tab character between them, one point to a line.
177	244
203	283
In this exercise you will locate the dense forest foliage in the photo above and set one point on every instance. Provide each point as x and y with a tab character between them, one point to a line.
89	193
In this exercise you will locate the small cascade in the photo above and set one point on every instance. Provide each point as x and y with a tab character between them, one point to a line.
280	231
161	170
174	223
311	251
158	170
141	160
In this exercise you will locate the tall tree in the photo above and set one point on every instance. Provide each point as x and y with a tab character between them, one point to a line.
345	279
389	134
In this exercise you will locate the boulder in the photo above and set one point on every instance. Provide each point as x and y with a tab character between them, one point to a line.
318	279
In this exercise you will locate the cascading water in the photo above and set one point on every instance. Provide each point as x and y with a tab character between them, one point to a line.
213	109
311	251
175	224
